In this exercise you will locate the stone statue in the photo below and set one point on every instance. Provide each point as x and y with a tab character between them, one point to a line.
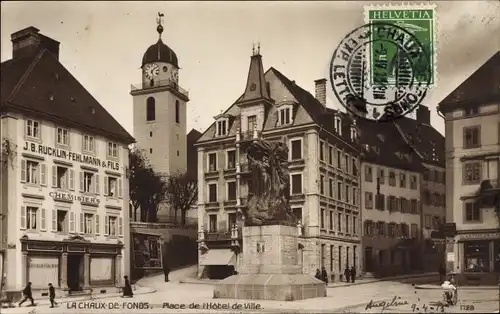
268	164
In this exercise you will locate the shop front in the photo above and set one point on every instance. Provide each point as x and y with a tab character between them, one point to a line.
72	265
479	261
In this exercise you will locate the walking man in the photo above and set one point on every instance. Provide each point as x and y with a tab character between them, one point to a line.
28	295
166	269
324	275
353	274
347	274
52	295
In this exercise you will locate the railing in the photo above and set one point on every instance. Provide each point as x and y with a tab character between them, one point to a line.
161	83
167	221
249	135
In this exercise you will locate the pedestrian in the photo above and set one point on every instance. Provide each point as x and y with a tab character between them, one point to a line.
347	274
324	275
166	270
52	295
318	274
28	295
353	274
442	273
127	289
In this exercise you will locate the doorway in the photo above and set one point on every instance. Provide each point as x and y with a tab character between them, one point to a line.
75	272
368	259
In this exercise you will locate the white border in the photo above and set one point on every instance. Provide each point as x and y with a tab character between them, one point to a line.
420	6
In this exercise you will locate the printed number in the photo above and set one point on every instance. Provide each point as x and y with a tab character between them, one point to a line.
467	307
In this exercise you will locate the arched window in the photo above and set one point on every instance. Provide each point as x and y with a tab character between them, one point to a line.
177	112
150	109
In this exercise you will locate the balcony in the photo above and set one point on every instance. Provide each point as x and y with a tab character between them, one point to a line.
137	88
248	135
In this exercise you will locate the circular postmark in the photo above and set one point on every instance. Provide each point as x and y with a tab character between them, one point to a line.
380	71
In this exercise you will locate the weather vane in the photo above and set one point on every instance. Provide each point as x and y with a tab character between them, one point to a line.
159	20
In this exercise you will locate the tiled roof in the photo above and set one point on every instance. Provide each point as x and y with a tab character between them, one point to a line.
40	85
483	85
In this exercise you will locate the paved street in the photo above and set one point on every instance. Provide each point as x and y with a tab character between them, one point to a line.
175	297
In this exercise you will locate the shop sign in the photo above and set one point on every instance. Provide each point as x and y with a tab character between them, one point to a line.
44	265
72	197
479	236
450	257
71	156
42	247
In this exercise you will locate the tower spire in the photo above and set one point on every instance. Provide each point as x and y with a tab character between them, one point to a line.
159	21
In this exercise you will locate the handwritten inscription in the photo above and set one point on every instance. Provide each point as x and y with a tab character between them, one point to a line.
396	301
431	308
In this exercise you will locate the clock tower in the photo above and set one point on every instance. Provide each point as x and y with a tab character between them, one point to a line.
160	109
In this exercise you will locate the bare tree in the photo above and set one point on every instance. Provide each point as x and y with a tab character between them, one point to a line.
146	187
181	193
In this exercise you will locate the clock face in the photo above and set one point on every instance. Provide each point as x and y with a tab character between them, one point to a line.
151	70
175	75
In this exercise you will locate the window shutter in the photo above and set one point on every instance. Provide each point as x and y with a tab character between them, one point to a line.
72	179
83	143
119	188
82	223
43	220
43	174
72	222
54	220
23	217
81	181
106	187
96	185
55	134
26	127
54	176
97	225
120	226
106	225
23	170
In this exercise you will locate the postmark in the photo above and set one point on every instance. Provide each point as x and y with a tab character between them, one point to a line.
380	100
418	19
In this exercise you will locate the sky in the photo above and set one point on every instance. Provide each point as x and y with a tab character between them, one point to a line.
102	44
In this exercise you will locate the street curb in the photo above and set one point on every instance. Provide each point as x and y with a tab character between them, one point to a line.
423	287
203	282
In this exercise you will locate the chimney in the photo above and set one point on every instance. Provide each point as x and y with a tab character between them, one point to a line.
320	90
423	114
28	42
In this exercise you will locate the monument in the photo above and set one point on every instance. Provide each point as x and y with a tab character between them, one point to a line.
270	268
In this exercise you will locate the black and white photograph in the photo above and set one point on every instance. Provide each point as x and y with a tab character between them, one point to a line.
250	157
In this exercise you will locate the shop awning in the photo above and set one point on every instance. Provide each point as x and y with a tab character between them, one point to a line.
218	257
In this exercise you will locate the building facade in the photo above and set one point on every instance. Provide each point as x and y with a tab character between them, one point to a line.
64	186
323	169
472	115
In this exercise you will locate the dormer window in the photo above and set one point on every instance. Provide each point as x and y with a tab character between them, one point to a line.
354	133
222	127
338	124
285	115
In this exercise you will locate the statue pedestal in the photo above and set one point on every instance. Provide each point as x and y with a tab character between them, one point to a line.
270	268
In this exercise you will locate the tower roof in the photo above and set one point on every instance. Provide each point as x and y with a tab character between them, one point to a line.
256	87
160	52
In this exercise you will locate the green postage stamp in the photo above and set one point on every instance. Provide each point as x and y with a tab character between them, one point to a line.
417	19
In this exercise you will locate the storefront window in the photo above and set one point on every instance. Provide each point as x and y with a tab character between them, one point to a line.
497	256
477	257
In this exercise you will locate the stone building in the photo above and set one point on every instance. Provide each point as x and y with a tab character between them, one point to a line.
64	191
323	166
472	126
395	162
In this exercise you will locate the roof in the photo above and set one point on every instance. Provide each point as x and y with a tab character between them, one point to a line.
306	109
160	52
403	144
256	87
482	85
41	86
